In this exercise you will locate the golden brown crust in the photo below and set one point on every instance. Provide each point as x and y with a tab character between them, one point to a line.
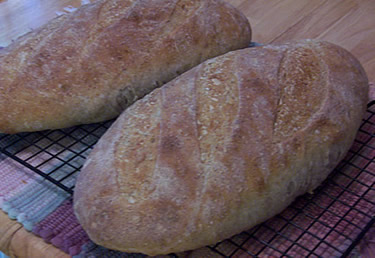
89	65
221	148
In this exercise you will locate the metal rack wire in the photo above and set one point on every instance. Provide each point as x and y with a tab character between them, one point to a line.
328	223
48	153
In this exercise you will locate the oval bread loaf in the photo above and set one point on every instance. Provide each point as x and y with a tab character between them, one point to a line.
88	66
225	146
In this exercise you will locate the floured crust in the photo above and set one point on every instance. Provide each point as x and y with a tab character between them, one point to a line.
221	148
89	65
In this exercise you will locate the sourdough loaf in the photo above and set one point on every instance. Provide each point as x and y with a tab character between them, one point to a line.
89	65
225	146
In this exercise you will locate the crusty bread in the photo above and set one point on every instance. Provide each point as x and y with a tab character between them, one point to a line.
89	65
223	147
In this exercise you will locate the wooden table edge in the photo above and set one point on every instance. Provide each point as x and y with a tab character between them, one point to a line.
16	241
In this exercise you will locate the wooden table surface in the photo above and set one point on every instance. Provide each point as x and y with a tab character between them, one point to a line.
348	23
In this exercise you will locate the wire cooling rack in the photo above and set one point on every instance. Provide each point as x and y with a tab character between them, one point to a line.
328	223
56	155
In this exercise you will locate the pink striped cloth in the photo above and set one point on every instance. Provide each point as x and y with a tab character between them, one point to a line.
35	202
62	229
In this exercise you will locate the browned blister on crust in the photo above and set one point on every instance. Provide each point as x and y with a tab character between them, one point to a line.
221	148
89	65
